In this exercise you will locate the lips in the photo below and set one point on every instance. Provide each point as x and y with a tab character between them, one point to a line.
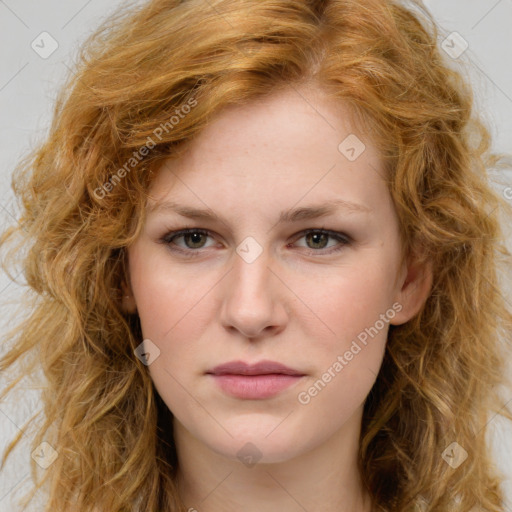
259	381
261	368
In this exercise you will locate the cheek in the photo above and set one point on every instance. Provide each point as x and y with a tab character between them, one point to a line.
172	305
168	299
346	303
336	395
348	355
354	309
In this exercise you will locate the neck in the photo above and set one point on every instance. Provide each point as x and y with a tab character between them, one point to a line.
324	478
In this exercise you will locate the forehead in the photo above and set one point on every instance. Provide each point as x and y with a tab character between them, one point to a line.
294	143
294	122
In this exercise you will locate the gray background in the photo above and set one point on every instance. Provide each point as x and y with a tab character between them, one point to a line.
28	85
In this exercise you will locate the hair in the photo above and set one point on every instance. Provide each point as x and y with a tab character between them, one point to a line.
145	83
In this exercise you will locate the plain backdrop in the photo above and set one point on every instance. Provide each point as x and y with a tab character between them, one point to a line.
31	72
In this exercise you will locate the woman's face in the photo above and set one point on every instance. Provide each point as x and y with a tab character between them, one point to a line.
255	284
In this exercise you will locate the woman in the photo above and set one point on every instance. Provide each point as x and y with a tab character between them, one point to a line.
202	351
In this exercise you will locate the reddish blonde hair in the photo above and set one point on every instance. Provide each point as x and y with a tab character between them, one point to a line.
80	211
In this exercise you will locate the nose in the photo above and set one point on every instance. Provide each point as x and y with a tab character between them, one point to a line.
253	301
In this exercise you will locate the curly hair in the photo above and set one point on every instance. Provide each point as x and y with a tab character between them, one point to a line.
83	191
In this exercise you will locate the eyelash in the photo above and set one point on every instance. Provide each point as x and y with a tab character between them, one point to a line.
168	238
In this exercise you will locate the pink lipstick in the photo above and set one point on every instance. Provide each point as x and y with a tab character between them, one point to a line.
254	382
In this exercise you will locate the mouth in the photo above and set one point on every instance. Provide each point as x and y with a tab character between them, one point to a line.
254	382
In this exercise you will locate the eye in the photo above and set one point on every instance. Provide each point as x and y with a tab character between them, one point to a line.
195	238
318	238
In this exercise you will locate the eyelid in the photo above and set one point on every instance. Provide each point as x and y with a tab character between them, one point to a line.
333	234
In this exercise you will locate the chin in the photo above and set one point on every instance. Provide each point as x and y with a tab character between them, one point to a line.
252	445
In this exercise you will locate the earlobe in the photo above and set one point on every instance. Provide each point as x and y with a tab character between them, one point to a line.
414	291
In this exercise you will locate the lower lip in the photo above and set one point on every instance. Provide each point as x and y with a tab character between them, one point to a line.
255	387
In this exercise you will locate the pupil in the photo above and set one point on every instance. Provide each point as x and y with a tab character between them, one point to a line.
315	237
193	236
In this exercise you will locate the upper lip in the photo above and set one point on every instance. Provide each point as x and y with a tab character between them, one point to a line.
261	368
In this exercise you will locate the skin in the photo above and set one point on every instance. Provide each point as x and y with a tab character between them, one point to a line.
296	303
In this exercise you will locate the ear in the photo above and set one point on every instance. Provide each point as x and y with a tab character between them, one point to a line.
413	288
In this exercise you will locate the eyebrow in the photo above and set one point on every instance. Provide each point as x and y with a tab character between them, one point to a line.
287	216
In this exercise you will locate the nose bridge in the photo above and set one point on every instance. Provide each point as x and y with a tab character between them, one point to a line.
250	275
249	301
